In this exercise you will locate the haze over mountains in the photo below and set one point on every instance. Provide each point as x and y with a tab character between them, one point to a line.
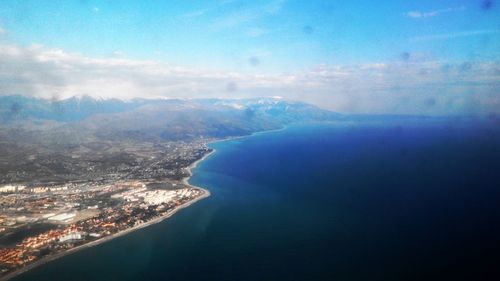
83	119
87	138
160	118
82	138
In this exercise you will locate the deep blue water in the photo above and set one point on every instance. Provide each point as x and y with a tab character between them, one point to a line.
415	201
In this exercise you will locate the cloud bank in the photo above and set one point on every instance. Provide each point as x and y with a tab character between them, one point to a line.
399	87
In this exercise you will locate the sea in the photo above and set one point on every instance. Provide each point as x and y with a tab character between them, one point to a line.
382	200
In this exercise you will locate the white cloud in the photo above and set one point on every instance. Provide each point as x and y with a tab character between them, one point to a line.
2	31
396	87
428	14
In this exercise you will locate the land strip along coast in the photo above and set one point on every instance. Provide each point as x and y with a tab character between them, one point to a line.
87	214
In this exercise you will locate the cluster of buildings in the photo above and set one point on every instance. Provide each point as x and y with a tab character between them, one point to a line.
83	215
11	188
155	197
55	203
13	257
96	193
29	249
171	164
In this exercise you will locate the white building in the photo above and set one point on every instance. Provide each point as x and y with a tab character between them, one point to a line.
11	188
71	236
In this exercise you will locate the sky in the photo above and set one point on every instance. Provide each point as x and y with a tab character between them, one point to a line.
358	56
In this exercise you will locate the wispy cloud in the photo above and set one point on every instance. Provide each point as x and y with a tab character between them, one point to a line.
453	35
256	32
2	31
202	12
390	87
233	19
245	15
428	14
274	6
194	14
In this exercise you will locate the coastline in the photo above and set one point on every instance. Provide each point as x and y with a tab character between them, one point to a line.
192	166
246	136
206	193
44	260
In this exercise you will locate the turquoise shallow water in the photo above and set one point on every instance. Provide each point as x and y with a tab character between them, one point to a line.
323	202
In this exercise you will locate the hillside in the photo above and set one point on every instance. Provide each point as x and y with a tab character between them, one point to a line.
82	138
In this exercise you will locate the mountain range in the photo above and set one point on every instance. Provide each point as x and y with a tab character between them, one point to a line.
149	119
84	138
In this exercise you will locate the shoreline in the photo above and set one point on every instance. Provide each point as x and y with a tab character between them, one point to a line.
48	259
192	166
44	260
246	136
185	181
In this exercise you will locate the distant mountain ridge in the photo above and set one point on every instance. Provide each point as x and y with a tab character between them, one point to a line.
150	119
50	140
71	109
79	108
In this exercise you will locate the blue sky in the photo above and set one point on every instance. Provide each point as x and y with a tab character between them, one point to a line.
268	47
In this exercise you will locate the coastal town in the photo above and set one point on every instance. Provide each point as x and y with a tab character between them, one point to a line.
44	221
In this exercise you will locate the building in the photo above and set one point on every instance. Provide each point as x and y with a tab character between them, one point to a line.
70	236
